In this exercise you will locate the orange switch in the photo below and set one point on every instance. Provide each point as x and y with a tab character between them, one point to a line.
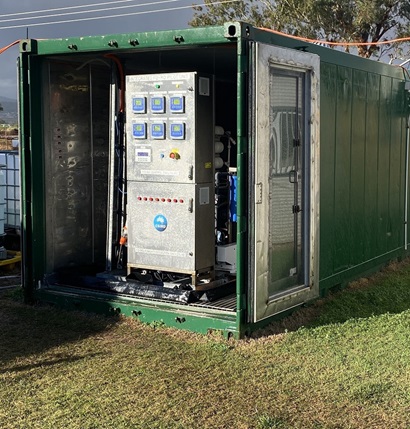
174	155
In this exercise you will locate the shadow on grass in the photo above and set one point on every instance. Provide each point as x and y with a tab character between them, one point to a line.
32	330
382	293
48	362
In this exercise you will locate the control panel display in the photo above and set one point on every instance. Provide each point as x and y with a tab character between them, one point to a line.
143	154
139	104
177	104
177	131
139	130
158	130
158	104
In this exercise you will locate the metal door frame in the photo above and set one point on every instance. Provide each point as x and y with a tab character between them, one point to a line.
263	57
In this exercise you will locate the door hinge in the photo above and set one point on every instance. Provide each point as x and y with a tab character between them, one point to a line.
258	193
296	142
296	208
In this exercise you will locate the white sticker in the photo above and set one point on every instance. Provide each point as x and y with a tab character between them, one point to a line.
142	154
160	173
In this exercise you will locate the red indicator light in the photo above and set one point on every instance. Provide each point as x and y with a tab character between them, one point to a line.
151	199
181	200
163	199
156	199
168	200
175	200
145	198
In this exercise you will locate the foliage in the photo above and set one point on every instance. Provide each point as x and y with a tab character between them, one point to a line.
358	21
1	107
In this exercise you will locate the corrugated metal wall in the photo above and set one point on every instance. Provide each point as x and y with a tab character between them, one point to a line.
362	167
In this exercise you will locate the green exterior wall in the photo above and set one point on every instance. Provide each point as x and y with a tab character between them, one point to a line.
363	138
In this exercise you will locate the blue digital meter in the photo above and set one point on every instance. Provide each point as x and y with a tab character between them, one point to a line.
177	104
139	105
139	130
177	131
158	130
158	104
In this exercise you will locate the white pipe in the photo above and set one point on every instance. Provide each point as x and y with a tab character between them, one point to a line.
405	62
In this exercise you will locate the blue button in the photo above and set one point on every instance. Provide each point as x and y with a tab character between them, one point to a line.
139	130
158	104
158	130
177	131
177	104
139	104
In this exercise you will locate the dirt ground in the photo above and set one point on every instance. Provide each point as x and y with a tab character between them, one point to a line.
10	276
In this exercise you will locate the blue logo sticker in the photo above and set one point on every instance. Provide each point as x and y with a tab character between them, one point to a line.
160	223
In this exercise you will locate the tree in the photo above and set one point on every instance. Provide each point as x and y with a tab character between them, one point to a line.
357	21
1	107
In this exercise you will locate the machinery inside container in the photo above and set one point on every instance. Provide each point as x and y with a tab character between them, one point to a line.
140	165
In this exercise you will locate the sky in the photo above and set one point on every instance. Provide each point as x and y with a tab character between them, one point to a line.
139	17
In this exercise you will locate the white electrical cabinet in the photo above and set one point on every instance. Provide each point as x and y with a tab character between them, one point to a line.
170	172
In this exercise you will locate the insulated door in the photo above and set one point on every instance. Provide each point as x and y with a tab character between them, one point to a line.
285	172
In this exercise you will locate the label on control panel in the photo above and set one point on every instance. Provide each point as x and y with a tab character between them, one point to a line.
158	104
177	104
177	131
139	104
160	222
158	130
139	130
142	154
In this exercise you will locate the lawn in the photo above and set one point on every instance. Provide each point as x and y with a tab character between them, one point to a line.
343	362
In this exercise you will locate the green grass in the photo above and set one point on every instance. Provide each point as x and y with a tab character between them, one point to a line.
343	362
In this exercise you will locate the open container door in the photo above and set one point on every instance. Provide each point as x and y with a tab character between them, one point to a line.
285	171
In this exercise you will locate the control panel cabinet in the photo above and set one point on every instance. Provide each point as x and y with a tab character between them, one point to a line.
170	128
171	226
170	172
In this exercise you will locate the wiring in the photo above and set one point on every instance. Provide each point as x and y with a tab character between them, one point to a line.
64	8
173	9
305	39
87	11
9	46
122	79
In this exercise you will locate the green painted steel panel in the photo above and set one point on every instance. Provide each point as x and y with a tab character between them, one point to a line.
383	165
327	167
357	160
156	315
130	41
396	179
342	168
362	170
372	139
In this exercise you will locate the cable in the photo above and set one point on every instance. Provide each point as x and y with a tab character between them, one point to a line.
9	46
112	16
122	79
305	39
63	8
87	11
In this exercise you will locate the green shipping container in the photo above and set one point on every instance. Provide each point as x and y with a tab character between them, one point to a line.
207	178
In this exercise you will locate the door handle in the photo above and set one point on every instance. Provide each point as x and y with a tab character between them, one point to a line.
293	176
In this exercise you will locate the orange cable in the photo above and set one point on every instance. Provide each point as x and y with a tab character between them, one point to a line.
305	39
9	46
